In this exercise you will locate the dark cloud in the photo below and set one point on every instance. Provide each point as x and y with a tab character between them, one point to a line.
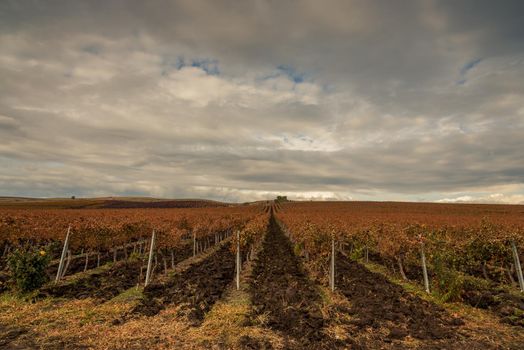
244	100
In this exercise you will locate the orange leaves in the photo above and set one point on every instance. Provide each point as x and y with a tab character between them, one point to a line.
397	229
250	231
102	229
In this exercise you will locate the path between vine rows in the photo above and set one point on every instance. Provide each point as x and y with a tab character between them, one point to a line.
78	264
385	313
194	289
281	291
101	286
108	283
382	314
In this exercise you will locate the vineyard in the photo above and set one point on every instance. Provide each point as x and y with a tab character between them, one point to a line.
284	275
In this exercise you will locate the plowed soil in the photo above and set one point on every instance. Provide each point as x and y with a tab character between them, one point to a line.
377	304
107	284
195	289
509	307
282	294
492	296
98	285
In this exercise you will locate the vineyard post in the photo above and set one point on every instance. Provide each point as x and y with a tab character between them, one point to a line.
150	260
238	260
332	270
67	262
194	243
87	262
517	265
6	248
62	258
424	268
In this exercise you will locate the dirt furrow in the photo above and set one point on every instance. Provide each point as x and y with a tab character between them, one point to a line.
102	285
282	295
383	311
105	284
195	289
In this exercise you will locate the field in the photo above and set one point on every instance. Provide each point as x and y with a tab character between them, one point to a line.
106	202
271	275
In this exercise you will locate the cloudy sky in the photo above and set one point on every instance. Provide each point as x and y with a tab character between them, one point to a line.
243	100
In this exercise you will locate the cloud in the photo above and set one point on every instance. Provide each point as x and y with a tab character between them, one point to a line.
240	101
496	198
470	65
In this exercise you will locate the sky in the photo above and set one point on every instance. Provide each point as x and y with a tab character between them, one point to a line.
245	100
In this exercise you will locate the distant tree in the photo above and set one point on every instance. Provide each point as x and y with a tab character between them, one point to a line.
281	199
73	197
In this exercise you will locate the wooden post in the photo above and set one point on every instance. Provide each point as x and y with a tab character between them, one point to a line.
424	268
238	260
87	262
62	258
332	270
510	273
150	261
6	248
66	265
194	243
517	265
401	268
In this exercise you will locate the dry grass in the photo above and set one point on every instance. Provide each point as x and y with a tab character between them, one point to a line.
83	323
87	324
55	323
228	324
